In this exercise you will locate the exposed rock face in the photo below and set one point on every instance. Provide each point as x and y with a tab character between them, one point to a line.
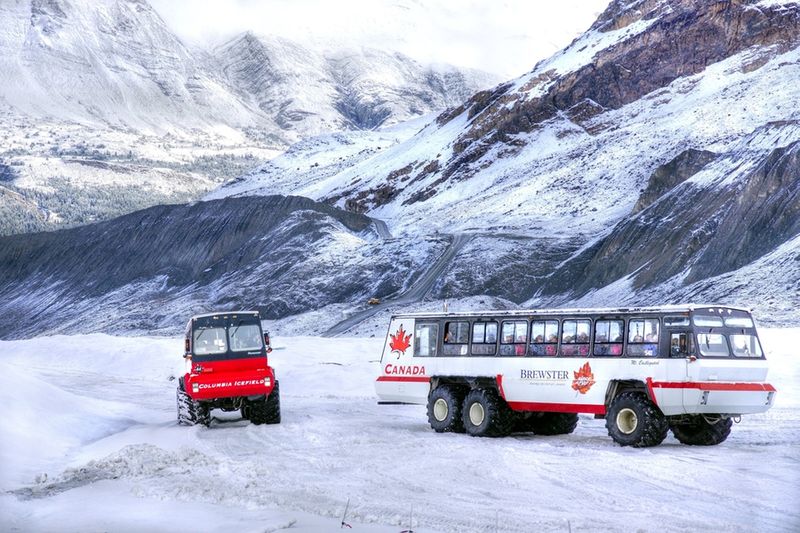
683	38
653	153
667	176
714	223
152	269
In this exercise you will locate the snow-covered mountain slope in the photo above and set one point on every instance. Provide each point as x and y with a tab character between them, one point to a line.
92	418
112	62
149	270
305	164
678	182
109	83
659	147
308	91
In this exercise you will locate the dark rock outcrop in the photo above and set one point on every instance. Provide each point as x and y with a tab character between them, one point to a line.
697	230
671	174
684	37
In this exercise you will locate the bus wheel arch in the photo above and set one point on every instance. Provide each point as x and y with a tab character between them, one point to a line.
618	386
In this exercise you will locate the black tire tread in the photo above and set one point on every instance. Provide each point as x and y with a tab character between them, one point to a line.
454	396
191	412
500	417
652	429
554	423
268	410
698	432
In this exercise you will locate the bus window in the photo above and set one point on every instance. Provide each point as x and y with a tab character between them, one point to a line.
680	345
484	338
712	345
608	337
575	337
514	337
544	337
676	321
643	337
707	321
746	346
425	340
456	338
739	322
209	341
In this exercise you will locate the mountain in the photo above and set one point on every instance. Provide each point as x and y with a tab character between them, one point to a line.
150	270
654	155
654	160
307	91
109	62
107	111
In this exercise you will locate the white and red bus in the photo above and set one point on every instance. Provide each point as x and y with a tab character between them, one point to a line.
688	368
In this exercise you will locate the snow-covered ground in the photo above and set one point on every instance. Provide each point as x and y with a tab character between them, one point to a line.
90	443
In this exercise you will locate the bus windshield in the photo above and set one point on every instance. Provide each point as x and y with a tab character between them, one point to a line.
746	346
209	341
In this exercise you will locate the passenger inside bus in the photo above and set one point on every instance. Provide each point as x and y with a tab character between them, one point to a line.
675	347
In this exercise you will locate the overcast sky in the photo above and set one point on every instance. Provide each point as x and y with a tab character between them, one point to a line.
506	37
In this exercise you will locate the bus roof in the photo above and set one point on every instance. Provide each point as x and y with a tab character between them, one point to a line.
217	313
682	308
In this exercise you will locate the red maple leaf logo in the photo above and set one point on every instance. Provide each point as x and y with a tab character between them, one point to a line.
584	379
400	341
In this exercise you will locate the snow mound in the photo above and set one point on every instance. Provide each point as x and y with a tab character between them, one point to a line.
47	424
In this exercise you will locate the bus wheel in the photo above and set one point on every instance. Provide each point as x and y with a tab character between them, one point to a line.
698	431
191	412
485	414
444	409
633	420
554	423
266	410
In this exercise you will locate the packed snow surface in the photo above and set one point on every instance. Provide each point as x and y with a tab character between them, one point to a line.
90	443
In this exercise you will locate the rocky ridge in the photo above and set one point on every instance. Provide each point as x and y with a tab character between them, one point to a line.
655	152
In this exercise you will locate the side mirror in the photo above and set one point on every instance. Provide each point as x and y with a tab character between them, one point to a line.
267	343
186	346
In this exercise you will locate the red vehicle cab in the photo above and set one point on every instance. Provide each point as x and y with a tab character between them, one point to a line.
227	368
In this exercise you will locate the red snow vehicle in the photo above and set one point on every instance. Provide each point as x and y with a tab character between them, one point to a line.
227	368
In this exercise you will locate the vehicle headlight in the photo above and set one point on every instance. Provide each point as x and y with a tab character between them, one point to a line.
267	382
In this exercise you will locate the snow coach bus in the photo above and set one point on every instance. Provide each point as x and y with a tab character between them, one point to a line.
692	369
227	368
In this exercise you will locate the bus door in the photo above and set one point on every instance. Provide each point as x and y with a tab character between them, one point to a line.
683	365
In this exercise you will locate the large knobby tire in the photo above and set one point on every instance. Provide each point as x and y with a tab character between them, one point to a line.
191	412
633	420
696	431
444	409
266	410
553	423
485	414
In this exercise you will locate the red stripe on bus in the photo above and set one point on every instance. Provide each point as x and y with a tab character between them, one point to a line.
413	379
559	407
500	386
706	385
650	391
